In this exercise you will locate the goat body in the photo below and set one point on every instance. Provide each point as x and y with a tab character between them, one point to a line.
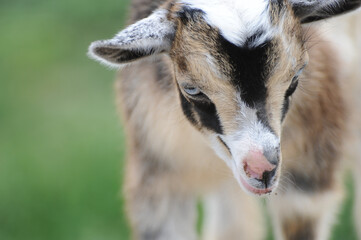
214	96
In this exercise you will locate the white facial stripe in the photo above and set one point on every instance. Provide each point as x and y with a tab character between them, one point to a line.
251	135
237	19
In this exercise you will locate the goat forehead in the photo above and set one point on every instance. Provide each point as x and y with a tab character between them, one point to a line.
248	69
237	20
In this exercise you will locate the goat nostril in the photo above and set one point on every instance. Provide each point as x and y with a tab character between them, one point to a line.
256	166
267	177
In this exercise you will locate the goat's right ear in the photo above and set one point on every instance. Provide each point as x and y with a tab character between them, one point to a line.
146	37
313	10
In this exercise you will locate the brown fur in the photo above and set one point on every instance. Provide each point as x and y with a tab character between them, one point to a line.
140	9
299	229
316	129
200	36
169	163
346	36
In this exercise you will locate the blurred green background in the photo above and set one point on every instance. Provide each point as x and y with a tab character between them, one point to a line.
61	143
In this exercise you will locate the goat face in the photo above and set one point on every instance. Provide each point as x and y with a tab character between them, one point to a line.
237	91
236	65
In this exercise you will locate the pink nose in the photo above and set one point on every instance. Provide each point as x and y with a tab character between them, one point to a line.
256	164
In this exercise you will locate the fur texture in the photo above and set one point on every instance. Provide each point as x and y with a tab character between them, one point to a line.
261	85
237	20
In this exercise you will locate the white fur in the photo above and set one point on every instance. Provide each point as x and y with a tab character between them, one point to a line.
236	19
251	135
146	35
323	205
237	216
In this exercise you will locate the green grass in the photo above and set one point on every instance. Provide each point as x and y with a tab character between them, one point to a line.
61	144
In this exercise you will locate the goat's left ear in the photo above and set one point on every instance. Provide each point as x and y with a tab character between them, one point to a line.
151	35
314	10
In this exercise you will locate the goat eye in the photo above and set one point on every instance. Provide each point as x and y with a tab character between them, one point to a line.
292	88
191	90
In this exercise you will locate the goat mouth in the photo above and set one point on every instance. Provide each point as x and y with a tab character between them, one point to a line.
254	190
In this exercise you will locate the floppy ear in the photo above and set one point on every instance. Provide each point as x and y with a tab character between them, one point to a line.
152	35
314	10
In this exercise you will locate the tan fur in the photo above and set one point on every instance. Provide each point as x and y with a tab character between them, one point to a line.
312	145
316	128
345	34
225	222
170	163
203	62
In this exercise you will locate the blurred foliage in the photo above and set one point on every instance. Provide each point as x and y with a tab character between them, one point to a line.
61	144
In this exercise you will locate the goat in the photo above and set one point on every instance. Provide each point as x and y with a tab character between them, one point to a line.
239	81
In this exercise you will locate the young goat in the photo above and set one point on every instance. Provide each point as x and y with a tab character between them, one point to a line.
225	88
